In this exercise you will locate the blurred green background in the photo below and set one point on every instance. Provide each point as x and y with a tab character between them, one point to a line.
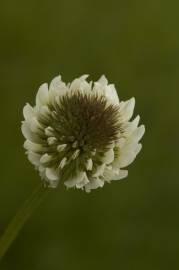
129	225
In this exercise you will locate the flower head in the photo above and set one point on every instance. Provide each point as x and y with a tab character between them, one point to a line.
81	134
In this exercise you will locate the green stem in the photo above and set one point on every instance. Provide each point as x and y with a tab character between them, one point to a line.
20	218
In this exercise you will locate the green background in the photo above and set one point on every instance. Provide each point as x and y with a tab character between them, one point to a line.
131	224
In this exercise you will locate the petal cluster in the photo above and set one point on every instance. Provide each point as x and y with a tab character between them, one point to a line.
80	133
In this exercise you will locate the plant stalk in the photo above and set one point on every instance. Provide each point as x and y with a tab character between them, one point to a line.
21	217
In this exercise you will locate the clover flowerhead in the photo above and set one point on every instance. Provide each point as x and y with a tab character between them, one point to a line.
80	133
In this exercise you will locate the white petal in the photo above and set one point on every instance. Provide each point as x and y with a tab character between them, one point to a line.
131	142
28	112
89	164
49	131
63	163
126	109
138	148
34	147
136	121
100	85
138	133
34	158
76	84
44	111
28	134
98	89
45	158
108	157
93	184
99	182
99	170
120	175
57	88
129	127
103	80
76	179
51	140
85	86
51	174
75	154
35	126
127	159
102	88
121	142
55	83
83	182
61	147
114	174
42	97
128	154
111	94
53	183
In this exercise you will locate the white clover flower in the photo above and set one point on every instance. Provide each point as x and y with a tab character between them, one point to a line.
80	133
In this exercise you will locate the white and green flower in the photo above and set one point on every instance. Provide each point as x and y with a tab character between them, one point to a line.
80	133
